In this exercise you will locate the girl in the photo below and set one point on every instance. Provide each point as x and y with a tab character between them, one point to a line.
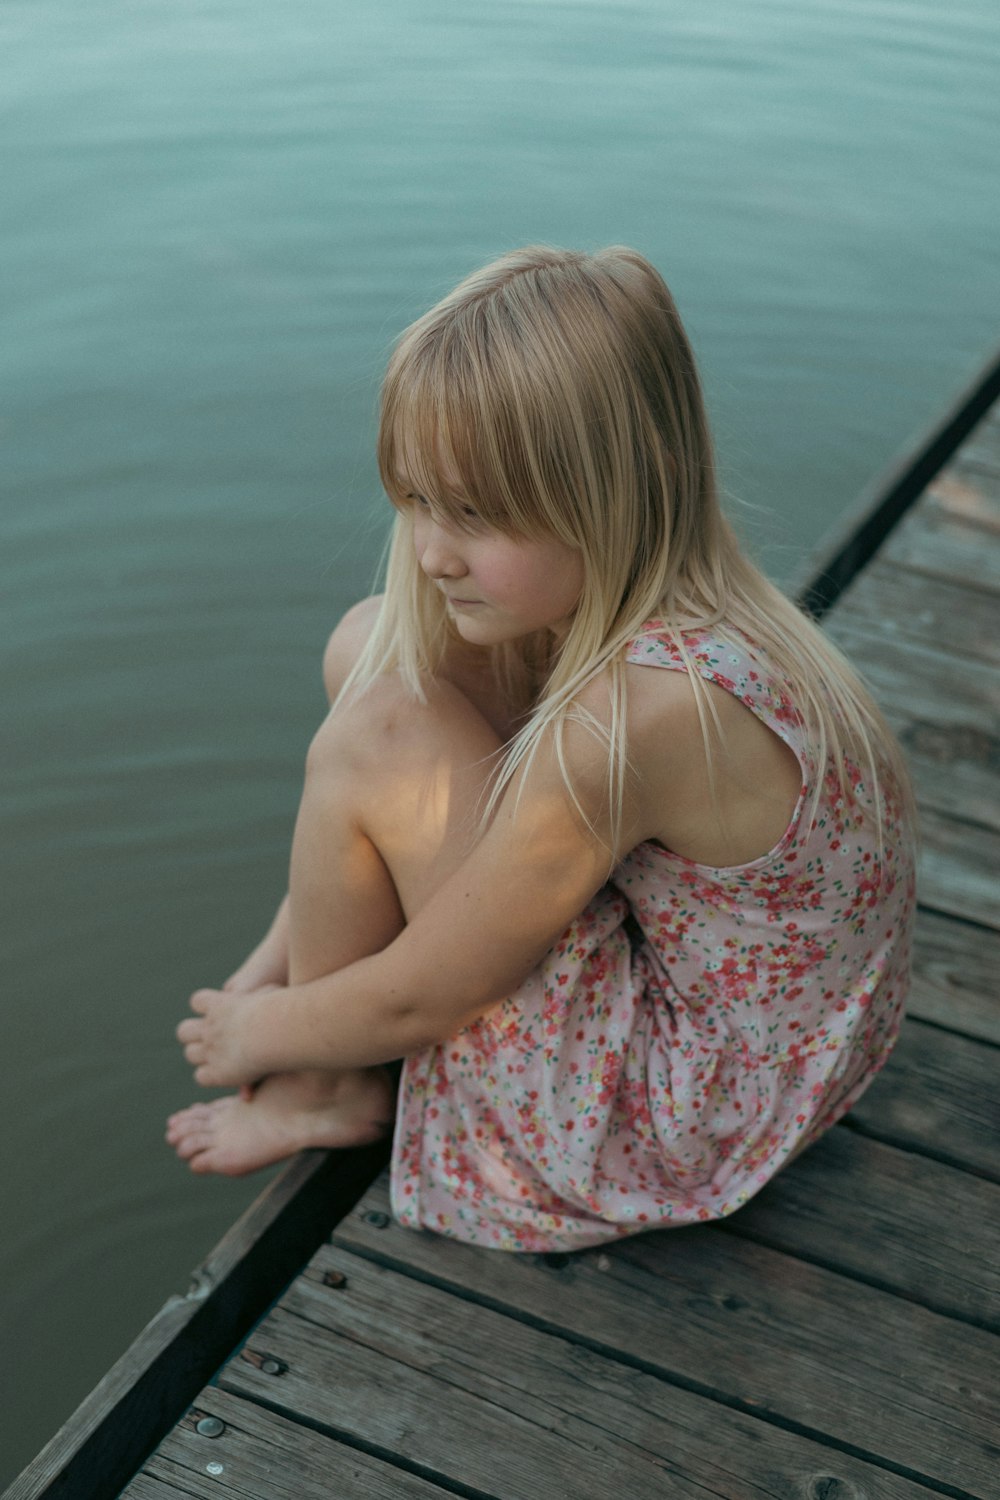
601	835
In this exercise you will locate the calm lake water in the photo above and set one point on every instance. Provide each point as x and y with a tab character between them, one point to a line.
217	216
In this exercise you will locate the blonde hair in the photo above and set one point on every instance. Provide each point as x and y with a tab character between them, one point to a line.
558	393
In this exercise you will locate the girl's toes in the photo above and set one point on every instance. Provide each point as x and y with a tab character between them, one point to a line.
214	1158
205	1162
195	1117
191	1144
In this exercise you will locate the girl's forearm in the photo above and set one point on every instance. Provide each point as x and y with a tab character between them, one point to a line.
353	1018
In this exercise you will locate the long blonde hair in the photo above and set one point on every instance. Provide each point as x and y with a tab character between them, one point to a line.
557	392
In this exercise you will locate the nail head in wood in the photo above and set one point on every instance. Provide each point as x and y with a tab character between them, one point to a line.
377	1220
211	1427
336	1279
268	1364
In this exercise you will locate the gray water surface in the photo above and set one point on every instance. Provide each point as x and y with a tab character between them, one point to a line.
216	217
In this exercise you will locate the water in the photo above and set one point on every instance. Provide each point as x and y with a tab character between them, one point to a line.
217	215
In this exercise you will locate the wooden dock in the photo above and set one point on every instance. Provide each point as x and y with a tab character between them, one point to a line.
836	1339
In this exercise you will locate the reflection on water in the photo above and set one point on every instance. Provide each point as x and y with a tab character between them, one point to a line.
217	218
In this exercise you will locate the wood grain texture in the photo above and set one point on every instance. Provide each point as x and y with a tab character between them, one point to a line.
980	454
889	604
937	1095
945	545
957	870
947	717
747	1324
266	1457
890	1217
486	1402
956	975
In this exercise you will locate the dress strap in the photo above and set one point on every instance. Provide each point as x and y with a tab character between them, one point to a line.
732	662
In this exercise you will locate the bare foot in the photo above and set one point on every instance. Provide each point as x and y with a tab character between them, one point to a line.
284	1114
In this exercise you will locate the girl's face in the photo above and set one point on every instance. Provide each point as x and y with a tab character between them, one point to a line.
498	587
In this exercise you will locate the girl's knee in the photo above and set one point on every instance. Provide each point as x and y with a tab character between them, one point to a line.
347	643
387	727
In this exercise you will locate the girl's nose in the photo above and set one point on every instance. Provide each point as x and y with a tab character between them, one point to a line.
437	552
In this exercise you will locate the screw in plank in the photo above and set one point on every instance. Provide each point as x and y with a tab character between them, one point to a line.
336	1279
211	1427
377	1220
215	1469
268	1363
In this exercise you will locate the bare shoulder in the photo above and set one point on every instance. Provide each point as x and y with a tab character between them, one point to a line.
347	641
661	707
728	814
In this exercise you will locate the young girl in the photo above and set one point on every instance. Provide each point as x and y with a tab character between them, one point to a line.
601	835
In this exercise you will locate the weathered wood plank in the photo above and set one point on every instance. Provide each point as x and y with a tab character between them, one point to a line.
892	1218
889	603
748	1324
956	975
946	714
937	1095
957	872
981	452
266	1457
140	1398
486	1402
939	540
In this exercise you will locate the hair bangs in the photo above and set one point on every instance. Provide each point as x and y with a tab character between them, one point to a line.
444	436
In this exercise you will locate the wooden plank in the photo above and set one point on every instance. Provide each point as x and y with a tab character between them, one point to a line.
957	871
266	1457
981	453
144	1394
937	1095
946	714
944	544
483	1401
889	603
747	1324
956	975
891	1218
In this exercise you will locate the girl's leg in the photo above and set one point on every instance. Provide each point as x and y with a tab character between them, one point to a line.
389	810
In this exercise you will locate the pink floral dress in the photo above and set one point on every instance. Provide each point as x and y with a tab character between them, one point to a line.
691	1030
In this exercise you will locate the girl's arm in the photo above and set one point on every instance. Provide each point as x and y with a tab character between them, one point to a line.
472	944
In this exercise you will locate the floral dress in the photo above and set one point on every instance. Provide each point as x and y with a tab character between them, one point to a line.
691	1030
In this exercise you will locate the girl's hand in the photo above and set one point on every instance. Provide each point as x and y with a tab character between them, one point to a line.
215	1040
